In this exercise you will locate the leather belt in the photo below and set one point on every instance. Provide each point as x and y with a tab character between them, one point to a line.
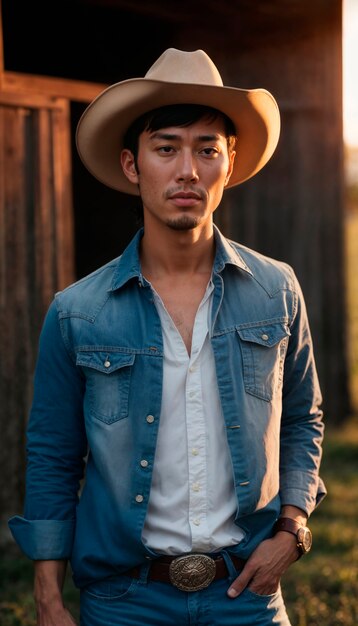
190	572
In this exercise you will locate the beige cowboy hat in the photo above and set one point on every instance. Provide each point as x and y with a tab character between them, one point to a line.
177	77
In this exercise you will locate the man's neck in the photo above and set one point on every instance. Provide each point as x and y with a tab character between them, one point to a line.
177	252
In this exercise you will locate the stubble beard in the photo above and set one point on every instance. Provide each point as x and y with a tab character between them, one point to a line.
184	222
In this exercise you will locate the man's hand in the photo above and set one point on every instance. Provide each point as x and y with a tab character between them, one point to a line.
54	615
263	570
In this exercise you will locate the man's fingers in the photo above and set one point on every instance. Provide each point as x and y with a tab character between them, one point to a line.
240	583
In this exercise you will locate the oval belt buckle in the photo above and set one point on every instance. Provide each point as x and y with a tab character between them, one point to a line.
192	572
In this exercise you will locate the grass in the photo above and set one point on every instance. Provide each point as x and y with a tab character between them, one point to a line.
16	601
322	588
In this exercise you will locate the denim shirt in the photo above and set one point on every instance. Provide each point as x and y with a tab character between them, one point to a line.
97	402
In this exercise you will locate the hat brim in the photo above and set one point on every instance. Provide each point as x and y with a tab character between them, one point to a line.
101	128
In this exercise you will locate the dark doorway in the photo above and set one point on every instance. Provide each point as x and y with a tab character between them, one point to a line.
105	219
96	42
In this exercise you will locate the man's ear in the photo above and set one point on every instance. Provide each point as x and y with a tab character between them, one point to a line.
231	166
129	166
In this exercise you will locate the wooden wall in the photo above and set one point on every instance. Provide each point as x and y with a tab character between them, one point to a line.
36	247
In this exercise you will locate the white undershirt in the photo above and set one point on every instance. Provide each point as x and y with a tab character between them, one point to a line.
192	501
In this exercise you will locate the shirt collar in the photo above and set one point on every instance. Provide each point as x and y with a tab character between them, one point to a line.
226	254
128	266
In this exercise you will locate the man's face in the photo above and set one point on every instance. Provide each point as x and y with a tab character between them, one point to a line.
182	173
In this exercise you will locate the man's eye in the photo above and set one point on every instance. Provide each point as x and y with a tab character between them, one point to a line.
210	152
165	149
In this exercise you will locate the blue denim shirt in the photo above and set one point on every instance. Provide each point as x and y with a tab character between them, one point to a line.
97	402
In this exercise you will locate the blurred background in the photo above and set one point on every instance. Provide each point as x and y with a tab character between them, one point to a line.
57	223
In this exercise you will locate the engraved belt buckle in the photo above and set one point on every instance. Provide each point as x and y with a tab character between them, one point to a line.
192	572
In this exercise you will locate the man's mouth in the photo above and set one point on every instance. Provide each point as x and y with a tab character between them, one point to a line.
185	198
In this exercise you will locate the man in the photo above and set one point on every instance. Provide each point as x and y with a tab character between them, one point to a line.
182	372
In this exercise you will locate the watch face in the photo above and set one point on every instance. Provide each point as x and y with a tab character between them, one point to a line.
304	537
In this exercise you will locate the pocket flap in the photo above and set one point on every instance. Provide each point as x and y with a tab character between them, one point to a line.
267	335
106	362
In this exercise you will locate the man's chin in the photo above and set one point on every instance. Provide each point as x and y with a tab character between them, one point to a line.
184	222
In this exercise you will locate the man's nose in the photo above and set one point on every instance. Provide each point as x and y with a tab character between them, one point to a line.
187	168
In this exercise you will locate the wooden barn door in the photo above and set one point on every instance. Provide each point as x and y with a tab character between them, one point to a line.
36	257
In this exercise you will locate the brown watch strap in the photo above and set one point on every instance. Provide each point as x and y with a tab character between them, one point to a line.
287	524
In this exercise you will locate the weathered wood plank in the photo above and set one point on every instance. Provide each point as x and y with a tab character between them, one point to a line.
36	240
76	90
16	346
62	186
45	214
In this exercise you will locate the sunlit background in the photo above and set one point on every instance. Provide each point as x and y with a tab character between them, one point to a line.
350	71
350	130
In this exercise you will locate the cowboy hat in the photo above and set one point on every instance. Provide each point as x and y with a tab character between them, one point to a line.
177	77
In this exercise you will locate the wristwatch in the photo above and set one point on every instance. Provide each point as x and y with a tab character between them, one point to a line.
302	533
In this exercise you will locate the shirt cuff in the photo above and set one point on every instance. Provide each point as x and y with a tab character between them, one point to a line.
43	539
308	491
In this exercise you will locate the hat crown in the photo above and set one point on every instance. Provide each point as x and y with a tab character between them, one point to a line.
177	66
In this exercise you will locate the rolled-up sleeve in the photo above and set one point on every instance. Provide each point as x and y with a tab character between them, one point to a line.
56	447
302	426
43	539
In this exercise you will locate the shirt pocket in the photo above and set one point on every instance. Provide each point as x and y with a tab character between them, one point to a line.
108	376
263	349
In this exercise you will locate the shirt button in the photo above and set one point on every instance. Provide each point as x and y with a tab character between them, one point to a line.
139	498
264	337
192	369
144	463
196	521
107	363
150	419
195	451
196	487
191	394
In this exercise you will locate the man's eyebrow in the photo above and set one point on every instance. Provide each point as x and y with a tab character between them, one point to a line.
166	136
174	137
213	137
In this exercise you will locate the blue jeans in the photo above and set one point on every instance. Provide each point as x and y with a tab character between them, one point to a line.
125	601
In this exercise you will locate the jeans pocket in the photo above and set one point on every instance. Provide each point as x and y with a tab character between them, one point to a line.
266	598
120	587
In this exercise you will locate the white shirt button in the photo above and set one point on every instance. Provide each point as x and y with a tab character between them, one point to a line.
139	498
107	363
264	337
192	368
196	521
196	487
191	394
195	451
144	463
150	419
